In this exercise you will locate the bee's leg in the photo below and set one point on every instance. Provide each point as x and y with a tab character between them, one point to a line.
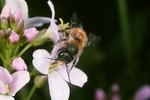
73	64
68	72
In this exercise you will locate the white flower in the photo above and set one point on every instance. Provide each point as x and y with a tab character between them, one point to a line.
20	8
57	76
11	84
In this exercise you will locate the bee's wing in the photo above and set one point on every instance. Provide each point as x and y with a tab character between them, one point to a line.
75	21
92	40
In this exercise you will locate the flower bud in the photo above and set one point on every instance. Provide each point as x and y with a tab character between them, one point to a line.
30	34
14	37
1	33
4	23
41	38
11	20
18	26
39	81
19	64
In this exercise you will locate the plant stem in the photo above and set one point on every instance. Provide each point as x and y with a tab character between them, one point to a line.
124	25
25	49
1	4
31	93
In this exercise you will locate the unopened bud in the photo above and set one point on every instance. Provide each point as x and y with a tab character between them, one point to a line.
1	33
41	38
18	26
19	64
30	34
12	20
4	23
14	37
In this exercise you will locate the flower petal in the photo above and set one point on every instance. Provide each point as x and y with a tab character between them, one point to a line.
2	88
20	79
53	28
6	97
41	60
52	8
36	21
5	76
5	12
59	89
18	4
77	77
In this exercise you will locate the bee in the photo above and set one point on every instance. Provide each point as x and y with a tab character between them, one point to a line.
74	42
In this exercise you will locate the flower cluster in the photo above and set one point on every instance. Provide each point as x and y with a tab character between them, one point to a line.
143	93
18	33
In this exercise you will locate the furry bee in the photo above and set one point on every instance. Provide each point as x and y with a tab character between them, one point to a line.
74	43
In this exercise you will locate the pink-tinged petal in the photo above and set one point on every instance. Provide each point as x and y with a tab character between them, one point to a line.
5	12
6	97
19	64
59	89
77	77
30	33
55	50
53	28
17	14
41	60
36	22
5	76
20	79
18	4
14	37
2	88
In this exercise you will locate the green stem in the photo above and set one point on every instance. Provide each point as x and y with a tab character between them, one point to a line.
25	49
124	25
2	58
31	93
1	4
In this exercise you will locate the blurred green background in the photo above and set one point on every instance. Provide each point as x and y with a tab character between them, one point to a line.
121	56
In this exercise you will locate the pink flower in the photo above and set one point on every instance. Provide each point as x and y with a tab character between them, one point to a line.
143	93
19	64
14	37
100	95
19	9
30	34
11	84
